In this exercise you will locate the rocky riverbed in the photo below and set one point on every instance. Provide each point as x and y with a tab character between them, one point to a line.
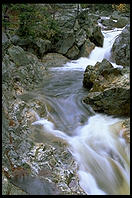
24	66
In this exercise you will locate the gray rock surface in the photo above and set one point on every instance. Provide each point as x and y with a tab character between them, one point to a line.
109	88
121	48
54	60
73	52
86	48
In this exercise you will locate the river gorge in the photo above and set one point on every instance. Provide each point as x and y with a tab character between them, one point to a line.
102	156
57	143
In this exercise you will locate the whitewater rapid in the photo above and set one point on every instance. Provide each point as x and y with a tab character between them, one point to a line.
102	155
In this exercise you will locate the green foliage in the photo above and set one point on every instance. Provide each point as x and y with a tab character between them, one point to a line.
100	7
35	20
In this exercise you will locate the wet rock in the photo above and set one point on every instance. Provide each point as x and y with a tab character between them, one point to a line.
86	49
97	37
100	76
115	15
9	189
35	186
80	37
121	48
112	101
65	43
109	23
42	45
54	60
87	83
73	52
18	55
5	43
109	89
122	22
19	41
126	129
89	24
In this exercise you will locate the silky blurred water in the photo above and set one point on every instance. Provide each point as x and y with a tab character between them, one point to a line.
102	155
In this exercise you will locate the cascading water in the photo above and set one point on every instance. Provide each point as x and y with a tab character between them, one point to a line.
102	155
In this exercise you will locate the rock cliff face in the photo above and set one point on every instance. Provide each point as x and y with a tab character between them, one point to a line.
121	48
78	36
109	88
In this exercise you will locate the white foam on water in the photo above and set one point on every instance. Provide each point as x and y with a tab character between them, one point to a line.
102	156
102	167
97	54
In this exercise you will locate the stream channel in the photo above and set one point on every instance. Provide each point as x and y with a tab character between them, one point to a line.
102	157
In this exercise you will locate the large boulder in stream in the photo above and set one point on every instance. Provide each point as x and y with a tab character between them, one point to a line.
76	31
121	48
86	49
89	23
64	44
122	22
97	37
54	60
109	88
110	23
21	69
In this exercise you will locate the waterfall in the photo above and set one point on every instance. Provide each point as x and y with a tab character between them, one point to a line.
97	54
102	154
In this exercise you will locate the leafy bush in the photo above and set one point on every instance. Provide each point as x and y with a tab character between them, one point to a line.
35	20
122	7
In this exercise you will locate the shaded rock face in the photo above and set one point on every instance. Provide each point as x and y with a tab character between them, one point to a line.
22	69
73	52
97	37
111	23
109	88
37	46
30	164
115	15
121	48
5	43
81	39
54	60
86	49
108	23
122	21
43	46
75	29
18	55
89	24
65	44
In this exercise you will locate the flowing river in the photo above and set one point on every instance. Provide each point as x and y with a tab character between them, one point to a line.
102	156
